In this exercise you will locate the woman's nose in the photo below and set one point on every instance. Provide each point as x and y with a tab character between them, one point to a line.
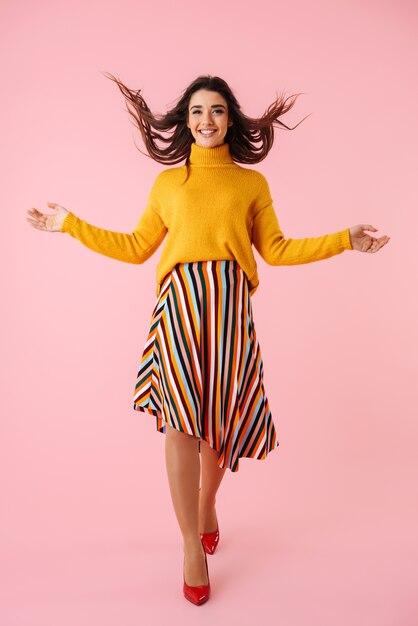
207	117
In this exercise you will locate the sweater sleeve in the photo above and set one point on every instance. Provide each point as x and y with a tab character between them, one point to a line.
275	249
135	247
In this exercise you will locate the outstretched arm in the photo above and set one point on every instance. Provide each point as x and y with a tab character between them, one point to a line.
271	244
136	247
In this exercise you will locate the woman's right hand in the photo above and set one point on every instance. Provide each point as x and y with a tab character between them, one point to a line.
43	221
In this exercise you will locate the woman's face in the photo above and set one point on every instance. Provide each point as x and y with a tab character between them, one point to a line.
208	111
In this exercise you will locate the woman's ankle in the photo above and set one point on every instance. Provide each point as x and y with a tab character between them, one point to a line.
192	544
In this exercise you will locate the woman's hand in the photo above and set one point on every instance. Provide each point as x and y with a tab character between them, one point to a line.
51	223
366	243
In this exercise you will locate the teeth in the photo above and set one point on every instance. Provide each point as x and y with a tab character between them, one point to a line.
207	132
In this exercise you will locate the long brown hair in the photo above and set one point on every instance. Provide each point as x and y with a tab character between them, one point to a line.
241	136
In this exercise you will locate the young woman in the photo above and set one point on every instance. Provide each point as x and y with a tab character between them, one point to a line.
201	372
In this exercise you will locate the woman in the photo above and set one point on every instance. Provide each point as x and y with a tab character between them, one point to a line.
201	372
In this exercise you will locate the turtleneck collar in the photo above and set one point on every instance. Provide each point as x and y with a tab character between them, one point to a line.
219	155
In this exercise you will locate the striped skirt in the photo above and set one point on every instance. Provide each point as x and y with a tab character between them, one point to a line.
201	369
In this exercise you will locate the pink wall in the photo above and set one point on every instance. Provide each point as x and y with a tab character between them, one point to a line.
324	531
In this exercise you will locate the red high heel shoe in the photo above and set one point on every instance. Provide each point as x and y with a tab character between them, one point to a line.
210	540
199	593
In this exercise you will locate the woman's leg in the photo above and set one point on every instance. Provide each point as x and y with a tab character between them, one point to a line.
212	476
183	470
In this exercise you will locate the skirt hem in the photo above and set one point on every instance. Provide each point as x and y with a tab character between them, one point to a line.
235	467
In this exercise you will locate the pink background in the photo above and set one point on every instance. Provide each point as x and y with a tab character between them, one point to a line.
324	531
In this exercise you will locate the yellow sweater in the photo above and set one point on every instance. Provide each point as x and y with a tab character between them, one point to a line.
218	213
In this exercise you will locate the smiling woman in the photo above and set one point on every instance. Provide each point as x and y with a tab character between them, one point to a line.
208	118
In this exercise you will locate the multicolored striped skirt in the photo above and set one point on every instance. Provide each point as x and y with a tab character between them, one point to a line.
201	370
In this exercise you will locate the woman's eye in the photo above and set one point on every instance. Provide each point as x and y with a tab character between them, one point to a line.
214	111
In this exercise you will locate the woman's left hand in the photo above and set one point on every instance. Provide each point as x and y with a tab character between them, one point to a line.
363	242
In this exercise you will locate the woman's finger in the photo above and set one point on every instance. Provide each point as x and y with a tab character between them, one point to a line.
379	244
37	225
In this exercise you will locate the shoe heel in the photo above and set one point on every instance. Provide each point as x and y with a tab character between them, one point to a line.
210	541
